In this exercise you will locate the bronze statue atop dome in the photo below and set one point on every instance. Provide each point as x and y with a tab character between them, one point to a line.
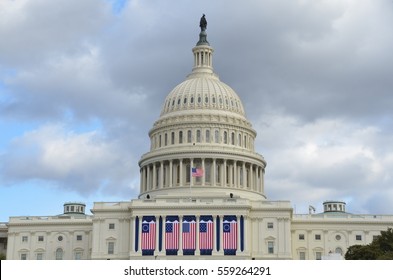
203	23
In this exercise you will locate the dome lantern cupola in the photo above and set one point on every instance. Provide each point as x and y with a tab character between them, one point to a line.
203	53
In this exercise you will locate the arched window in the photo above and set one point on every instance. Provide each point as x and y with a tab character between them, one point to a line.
166	139
216	136
189	136
198	136
207	136
172	138
233	138
180	137
59	254
240	140
225	137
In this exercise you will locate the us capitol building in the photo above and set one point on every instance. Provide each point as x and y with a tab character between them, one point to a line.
202	195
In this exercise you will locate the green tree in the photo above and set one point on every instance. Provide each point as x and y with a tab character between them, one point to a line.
2	257
380	249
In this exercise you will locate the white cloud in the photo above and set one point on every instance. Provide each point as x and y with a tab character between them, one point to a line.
85	163
326	159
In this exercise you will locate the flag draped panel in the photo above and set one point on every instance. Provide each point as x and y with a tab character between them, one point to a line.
148	235
189	235
229	227
172	235
206	235
136	233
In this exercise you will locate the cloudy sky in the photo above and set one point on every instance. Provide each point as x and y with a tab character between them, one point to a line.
81	83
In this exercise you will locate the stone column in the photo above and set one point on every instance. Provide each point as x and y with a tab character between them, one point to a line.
170	174
191	178
148	187
230	175
244	175
197	251
140	235
181	179
204	172
238	233
161	180
180	234
213	180
224	173
163	233
235	174
154	176
221	233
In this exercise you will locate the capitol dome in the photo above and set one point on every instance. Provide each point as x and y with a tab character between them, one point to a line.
203	92
202	145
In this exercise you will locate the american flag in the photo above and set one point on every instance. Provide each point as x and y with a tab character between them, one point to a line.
189	235
172	235
148	235
197	172
230	234
206	235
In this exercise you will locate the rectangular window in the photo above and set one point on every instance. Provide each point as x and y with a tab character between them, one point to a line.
23	257
207	136
358	237
79	237
24	238
318	255
301	236
40	256
317	237
216	136
41	238
302	255
198	136
78	255
270	247
270	225
111	226
111	248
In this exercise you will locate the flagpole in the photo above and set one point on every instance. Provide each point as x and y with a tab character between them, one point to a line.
190	178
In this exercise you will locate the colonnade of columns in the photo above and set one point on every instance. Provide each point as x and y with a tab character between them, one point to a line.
203	57
216	173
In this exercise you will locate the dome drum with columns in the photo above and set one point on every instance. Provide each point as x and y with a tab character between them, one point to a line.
202	125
